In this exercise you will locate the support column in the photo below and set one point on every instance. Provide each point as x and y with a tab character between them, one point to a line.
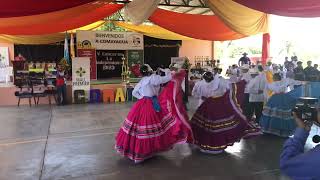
265	48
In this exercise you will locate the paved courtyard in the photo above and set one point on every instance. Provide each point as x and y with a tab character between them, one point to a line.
76	142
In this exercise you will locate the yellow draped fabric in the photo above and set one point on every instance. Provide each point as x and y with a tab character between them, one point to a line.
92	26
269	77
152	31
239	18
33	39
45	39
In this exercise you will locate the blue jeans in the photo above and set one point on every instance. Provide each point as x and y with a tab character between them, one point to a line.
62	94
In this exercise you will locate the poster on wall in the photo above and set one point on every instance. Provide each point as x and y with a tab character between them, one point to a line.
4	56
81	75
135	60
91	53
135	57
105	40
109	63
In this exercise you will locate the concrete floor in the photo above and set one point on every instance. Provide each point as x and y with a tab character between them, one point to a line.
76	142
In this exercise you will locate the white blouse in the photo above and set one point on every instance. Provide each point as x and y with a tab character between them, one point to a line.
150	86
215	88
282	86
222	85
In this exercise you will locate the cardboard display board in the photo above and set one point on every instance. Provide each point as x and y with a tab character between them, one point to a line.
4	56
91	53
109	63
5	70
81	75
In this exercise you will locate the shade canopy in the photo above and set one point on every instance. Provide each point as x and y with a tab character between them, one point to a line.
16	8
205	27
57	21
291	8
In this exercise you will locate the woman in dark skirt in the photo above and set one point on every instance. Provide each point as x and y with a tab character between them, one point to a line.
219	122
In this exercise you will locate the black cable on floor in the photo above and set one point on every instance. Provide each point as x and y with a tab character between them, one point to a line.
46	144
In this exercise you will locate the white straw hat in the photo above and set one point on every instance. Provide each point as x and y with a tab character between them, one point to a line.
253	71
245	66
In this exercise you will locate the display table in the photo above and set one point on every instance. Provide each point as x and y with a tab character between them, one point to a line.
9	99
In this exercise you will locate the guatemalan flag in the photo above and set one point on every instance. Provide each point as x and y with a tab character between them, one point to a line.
66	50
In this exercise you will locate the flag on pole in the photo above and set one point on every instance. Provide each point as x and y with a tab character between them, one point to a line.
66	49
72	52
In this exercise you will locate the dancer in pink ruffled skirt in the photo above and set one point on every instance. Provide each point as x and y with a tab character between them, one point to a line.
154	124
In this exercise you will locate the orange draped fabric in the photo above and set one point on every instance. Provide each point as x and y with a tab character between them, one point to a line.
58	21
195	26
16	8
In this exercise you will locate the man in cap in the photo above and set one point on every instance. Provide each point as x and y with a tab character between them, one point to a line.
244	60
256	89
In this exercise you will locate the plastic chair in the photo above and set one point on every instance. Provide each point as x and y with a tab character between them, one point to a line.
79	97
95	95
51	92
37	93
23	95
108	95
119	95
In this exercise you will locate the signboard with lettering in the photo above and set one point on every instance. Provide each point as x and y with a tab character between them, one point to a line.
109	63
91	53
81	74
104	40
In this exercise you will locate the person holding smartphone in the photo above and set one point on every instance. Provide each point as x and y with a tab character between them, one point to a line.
296	163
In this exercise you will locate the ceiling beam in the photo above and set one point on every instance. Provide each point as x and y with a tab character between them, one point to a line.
202	3
167	1
174	8
189	10
185	3
206	11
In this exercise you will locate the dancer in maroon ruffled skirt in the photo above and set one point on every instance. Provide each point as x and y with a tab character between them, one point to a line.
219	122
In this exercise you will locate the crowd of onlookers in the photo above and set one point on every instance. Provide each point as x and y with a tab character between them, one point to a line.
292	69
